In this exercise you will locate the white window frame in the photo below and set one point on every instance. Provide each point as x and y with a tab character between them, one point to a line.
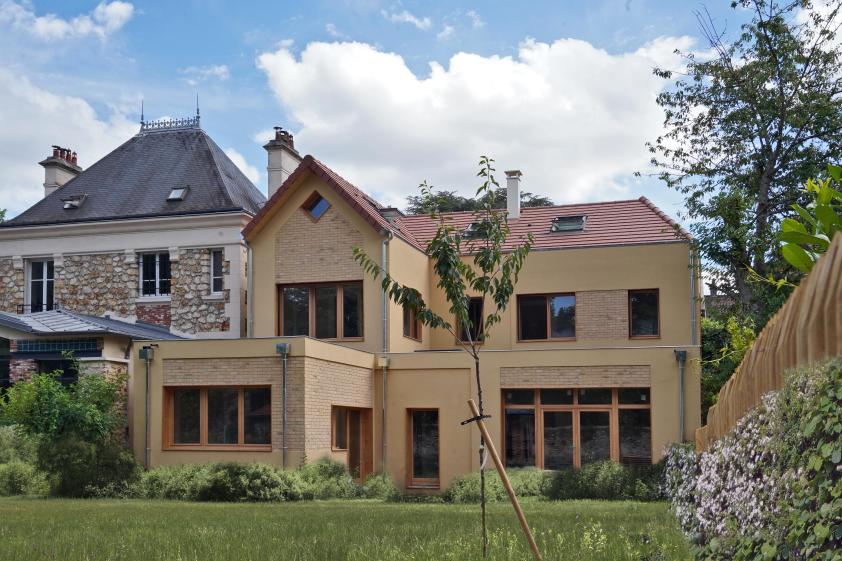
221	277
44	279
157	294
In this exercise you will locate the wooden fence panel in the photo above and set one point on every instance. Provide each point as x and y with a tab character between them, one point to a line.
807	328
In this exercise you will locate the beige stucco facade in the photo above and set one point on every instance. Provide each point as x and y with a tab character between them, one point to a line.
289	247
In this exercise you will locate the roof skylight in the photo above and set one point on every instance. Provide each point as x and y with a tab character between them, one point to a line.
178	193
316	206
568	224
74	201
472	231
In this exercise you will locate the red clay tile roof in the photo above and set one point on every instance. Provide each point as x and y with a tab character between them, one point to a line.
635	221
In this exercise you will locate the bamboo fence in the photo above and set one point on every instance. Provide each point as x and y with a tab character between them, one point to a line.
807	328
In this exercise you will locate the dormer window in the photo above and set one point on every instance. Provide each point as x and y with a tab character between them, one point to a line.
74	201
178	193
472	231
568	224
316	206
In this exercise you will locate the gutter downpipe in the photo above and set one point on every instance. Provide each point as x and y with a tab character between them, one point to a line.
681	357
283	350
146	354
384	264
249	291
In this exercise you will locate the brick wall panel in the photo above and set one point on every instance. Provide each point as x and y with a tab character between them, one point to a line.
624	376
602	314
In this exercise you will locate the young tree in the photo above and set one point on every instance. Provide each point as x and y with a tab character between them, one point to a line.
491	274
451	201
747	127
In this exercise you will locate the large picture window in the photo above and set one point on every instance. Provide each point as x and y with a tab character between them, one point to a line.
219	417
155	274
555	428
546	316
323	311
41	284
643	313
217	268
424	447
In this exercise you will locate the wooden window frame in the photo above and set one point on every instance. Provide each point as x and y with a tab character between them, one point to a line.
629	303
479	341
310	203
414	325
547	296
158	293
575	409
311	303
169	437
221	253
413	482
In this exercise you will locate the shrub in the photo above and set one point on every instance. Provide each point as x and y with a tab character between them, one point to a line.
20	478
182	483
250	482
466	488
380	486
78	468
329	479
606	480
15	445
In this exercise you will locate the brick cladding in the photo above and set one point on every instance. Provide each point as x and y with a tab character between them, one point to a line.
327	384
313	251
158	313
627	376
602	314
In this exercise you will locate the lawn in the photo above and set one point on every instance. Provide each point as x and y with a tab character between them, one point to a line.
101	530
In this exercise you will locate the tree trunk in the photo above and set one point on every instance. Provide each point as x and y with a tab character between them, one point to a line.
481	461
762	222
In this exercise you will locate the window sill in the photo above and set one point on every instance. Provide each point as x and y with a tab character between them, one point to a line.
218	448
633	337
418	340
553	340
214	297
423	485
152	299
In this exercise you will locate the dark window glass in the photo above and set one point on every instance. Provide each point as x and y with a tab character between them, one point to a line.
520	437
147	265
296	307
593	396
558	439
185	416
65	369
557	397
5	358
475	318
216	270
352	310
257	415
340	428
407	322
325	312
563	316
533	317
633	396
38	270
163	273
425	444
222	416
519	397
317	206
50	303
36	296
635	436
594	436
643	308
41	286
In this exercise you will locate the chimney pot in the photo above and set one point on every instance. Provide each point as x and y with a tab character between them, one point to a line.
56	151
283	159
73	159
513	193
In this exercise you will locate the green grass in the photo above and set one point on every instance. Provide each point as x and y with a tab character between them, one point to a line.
105	530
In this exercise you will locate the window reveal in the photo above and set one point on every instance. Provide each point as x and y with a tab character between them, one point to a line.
424	443
643	313
325	311
41	285
217	258
546	316
474	331
155	274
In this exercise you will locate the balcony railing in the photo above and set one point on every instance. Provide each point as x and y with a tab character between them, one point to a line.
34	308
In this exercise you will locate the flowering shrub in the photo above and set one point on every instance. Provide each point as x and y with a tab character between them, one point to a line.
772	488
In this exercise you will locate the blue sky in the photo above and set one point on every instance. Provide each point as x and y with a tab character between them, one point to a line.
387	93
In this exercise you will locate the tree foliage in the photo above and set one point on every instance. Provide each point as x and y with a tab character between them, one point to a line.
451	201
746	127
481	264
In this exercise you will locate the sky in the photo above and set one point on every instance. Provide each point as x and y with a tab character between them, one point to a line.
387	93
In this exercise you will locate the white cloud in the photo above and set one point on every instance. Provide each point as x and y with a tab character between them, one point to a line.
33	120
104	20
333	31
249	170
476	20
196	74
572	117
446	32
406	17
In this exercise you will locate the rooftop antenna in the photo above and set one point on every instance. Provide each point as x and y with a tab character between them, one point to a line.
141	111
197	105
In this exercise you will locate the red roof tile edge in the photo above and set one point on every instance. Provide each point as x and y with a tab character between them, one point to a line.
675	225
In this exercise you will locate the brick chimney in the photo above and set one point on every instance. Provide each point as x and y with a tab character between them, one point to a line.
513	193
283	159
59	168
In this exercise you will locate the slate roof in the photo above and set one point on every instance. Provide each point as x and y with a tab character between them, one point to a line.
135	179
63	322
629	222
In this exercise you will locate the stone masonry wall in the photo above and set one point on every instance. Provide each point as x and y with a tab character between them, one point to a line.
11	285
250	371
314	251
191	309
627	376
602	314
97	284
328	384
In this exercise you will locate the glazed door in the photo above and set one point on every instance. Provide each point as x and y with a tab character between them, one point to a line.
559	447
354	443
594	436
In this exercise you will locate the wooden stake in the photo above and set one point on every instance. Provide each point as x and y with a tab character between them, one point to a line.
489	444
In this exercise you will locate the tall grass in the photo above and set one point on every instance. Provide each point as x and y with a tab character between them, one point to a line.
75	530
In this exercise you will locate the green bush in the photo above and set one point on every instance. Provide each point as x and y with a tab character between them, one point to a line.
78	468
329	479
180	483
20	478
380	486
250	482
15	445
